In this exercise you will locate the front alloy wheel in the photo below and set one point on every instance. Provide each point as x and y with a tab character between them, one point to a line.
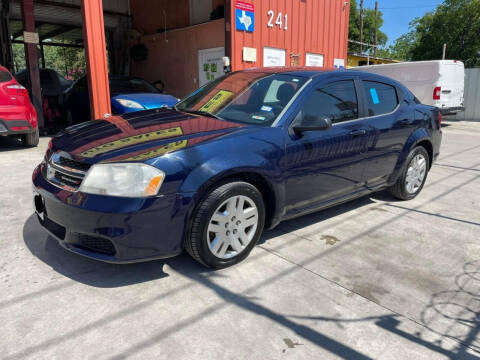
226	225
232	227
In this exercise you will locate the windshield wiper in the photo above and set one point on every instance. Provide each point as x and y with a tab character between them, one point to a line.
203	113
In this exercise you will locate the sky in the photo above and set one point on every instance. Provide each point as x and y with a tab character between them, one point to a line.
397	14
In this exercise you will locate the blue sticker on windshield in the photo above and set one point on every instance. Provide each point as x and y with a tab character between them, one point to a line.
374	94
266	108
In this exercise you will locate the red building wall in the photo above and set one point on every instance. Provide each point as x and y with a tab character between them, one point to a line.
148	16
315	26
175	61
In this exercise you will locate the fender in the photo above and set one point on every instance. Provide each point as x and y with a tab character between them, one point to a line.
219	168
419	135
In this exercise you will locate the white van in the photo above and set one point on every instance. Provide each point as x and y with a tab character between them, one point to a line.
438	82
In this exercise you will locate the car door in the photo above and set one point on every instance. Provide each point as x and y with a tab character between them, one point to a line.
391	119
321	166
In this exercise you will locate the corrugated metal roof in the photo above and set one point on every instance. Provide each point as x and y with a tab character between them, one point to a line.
46	31
118	6
54	14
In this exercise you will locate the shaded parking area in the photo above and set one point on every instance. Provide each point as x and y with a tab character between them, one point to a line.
371	279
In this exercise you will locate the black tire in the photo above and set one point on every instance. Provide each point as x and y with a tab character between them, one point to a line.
399	190
196	242
31	139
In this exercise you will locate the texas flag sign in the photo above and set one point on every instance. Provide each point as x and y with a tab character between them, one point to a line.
245	16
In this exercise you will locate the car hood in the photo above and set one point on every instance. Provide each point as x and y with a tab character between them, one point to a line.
139	136
148	100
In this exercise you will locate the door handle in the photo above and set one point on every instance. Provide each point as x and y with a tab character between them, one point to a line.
358	132
405	122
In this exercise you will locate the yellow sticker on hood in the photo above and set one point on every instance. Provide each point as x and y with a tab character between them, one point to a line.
216	101
132	140
173	146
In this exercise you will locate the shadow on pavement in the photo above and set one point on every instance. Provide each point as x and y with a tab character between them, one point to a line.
105	275
315	217
452	314
93	272
9	143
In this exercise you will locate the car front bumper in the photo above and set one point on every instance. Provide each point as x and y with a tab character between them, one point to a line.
112	229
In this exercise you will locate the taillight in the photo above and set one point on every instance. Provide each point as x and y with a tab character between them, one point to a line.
16	90
436	93
440	119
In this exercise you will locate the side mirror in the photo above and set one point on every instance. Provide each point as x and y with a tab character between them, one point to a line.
319	124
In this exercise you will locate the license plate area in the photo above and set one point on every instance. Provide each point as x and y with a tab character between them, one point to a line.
38	204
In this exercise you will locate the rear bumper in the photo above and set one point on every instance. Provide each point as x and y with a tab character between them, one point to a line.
451	110
112	229
15	127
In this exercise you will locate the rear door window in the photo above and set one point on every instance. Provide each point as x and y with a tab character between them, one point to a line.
5	76
381	98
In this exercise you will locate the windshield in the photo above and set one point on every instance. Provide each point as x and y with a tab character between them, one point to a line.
246	97
131	85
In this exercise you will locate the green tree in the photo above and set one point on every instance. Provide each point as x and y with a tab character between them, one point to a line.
67	61
369	25
18	57
402	49
455	23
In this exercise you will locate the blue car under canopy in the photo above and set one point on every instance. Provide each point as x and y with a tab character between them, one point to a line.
128	94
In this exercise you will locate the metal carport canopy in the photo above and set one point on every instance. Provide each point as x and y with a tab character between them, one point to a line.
67	12
94	16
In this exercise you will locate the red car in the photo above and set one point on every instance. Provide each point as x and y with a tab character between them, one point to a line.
17	114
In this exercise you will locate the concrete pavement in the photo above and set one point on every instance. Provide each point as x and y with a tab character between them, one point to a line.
372	279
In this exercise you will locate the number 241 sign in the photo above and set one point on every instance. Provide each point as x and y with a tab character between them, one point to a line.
280	20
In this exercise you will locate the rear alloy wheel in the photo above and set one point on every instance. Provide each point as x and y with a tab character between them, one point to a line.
413	176
416	172
227	225
31	139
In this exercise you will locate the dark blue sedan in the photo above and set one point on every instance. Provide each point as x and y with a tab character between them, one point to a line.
237	156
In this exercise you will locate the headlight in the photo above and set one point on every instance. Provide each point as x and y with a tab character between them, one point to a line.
127	180
130	104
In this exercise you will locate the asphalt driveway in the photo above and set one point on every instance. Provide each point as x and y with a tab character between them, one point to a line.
372	279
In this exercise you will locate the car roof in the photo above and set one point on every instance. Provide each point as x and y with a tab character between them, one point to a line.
299	71
312	72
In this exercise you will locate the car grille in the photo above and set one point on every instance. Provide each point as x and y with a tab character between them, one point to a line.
95	244
69	163
66	173
65	179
